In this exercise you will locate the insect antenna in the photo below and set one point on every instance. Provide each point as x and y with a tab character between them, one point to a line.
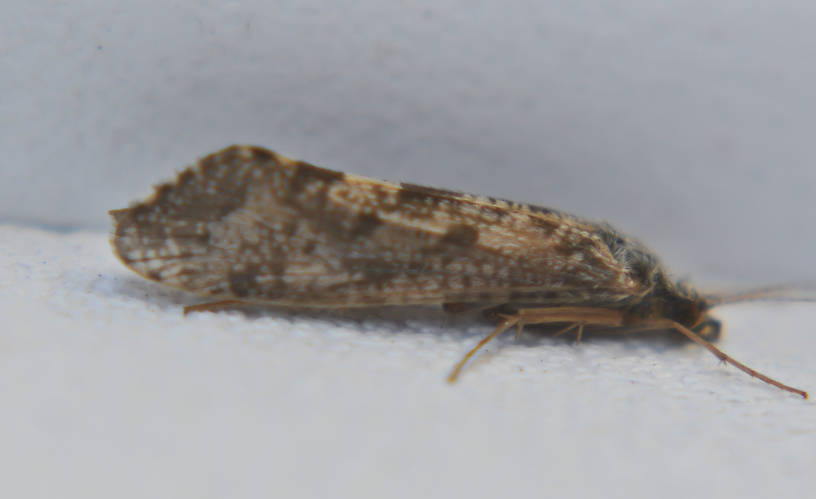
768	293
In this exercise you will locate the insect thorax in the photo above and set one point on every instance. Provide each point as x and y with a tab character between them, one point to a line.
672	300
666	298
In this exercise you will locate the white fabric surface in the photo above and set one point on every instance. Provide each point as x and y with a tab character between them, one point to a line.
108	391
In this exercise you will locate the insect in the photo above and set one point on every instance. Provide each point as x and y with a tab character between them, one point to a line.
247	225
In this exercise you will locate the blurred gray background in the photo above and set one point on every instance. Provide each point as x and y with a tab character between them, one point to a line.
686	123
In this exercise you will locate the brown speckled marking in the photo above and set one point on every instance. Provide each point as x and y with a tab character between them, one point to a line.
309	247
289	228
365	224
548	223
411	194
277	262
306	174
242	283
276	291
262	155
378	274
409	190
460	236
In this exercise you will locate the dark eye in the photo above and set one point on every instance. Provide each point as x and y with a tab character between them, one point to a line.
709	329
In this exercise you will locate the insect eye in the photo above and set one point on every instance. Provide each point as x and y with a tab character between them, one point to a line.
683	311
709	329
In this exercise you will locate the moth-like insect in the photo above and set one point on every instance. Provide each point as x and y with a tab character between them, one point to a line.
247	225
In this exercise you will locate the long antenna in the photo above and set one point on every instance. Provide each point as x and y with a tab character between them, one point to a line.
768	293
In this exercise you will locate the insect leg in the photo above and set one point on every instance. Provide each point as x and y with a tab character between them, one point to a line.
549	315
579	325
580	332
504	326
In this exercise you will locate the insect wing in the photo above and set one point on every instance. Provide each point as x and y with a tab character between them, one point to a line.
248	223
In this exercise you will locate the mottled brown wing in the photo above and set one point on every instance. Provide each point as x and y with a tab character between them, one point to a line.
251	224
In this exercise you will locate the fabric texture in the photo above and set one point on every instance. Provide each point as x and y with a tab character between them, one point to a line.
107	388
